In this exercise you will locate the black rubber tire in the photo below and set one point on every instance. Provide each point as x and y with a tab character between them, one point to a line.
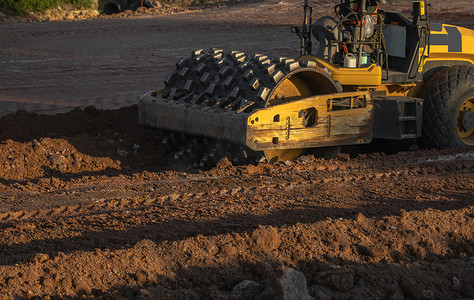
444	93
132	5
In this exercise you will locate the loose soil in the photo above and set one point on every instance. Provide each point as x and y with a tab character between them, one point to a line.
92	205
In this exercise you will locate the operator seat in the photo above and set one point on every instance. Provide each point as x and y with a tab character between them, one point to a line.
325	31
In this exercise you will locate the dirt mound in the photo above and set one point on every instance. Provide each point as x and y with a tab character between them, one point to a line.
51	151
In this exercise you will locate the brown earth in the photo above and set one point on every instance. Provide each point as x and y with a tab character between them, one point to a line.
52	67
92	206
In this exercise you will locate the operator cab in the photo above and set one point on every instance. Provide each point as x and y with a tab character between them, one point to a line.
363	35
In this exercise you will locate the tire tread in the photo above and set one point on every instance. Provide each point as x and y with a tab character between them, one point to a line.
437	113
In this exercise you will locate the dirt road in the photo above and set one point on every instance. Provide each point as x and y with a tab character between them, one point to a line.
91	206
52	67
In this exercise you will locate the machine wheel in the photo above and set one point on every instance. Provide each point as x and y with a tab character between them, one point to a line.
240	83
299	84
449	109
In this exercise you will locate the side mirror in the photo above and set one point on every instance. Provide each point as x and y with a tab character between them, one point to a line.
297	30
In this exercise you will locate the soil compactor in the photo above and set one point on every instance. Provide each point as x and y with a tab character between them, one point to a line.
375	75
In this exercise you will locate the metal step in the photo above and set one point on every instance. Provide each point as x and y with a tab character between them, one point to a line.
397	117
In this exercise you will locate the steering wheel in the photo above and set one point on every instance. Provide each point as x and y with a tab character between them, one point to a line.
341	10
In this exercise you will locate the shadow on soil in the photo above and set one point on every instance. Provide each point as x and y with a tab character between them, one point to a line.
365	280
162	229
407	277
96	143
92	132
212	282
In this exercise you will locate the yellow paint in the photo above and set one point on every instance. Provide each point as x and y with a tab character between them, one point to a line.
285	154
279	129
440	52
422	8
290	88
371	75
266	131
420	61
466	136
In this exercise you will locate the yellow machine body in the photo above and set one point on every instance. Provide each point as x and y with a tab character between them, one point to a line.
311	122
453	45
282	107
450	43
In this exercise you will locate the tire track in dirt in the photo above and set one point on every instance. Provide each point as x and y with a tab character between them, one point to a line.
156	192
270	196
372	215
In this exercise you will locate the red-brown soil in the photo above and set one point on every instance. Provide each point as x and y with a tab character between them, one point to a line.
81	218
92	206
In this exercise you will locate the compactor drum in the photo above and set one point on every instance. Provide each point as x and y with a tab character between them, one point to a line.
360	86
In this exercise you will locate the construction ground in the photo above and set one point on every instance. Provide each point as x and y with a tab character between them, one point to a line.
91	206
